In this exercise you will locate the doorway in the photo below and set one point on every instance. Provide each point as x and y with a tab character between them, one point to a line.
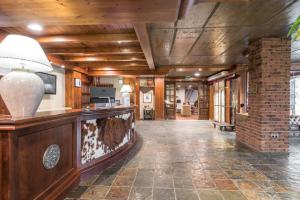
187	101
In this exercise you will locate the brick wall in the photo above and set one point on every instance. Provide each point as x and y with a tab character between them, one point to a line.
269	68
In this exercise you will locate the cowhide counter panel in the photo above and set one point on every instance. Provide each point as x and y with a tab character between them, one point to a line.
100	137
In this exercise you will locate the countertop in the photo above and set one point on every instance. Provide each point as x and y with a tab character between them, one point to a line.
8	123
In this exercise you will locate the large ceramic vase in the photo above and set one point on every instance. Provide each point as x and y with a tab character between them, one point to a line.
22	93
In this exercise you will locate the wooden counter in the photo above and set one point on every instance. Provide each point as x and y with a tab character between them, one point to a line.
43	157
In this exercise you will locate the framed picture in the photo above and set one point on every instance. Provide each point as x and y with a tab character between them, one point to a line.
49	82
77	82
147	98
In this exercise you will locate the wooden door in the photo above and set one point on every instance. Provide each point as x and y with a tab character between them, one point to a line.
170	97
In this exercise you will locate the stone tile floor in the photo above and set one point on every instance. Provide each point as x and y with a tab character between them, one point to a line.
190	160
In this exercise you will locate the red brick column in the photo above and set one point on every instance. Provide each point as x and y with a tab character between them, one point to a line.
266	127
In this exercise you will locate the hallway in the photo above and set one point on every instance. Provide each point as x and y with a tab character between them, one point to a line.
177	162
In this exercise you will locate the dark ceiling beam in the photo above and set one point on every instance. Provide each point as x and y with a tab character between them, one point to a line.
112	64
133	73
112	58
143	36
185	7
96	50
119	68
125	37
58	62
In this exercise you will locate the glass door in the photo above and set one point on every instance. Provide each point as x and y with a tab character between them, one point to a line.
219	101
170	104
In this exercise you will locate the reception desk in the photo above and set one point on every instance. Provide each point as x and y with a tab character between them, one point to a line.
43	157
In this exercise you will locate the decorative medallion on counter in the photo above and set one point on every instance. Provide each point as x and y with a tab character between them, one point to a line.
51	156
103	136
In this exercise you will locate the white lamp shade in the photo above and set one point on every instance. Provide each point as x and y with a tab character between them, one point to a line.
21	52
126	89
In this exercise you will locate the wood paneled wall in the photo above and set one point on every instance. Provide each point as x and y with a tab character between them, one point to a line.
211	102
73	94
137	98
242	72
159	98
227	101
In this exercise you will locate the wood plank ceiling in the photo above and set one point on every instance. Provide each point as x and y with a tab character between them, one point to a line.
142	37
96	35
96	47
216	34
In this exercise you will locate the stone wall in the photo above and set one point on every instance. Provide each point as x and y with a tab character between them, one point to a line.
268	114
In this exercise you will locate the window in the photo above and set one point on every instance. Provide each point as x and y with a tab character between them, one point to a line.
247	91
219	101
295	93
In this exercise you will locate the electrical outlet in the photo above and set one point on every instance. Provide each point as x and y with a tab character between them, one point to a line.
274	135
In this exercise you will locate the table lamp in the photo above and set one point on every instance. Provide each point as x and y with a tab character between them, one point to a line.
21	89
125	90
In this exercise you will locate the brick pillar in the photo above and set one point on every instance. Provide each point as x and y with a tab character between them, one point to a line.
269	89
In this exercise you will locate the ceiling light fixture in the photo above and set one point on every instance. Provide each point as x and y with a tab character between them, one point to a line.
63	66
35	27
91	59
197	74
180	69
59	39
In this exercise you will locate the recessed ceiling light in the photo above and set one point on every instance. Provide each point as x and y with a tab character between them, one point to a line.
125	50
91	59
63	66
197	74
35	27
180	69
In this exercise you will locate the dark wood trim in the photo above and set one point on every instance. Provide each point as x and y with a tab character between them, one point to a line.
227	101
137	98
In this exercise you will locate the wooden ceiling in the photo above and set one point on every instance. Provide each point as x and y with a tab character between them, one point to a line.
157	37
100	47
216	33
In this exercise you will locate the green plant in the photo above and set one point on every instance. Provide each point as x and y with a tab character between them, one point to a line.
294	31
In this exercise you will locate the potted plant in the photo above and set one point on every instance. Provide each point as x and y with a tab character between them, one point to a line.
294	31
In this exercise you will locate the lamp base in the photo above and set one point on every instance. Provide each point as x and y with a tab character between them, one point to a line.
22	93
126	99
